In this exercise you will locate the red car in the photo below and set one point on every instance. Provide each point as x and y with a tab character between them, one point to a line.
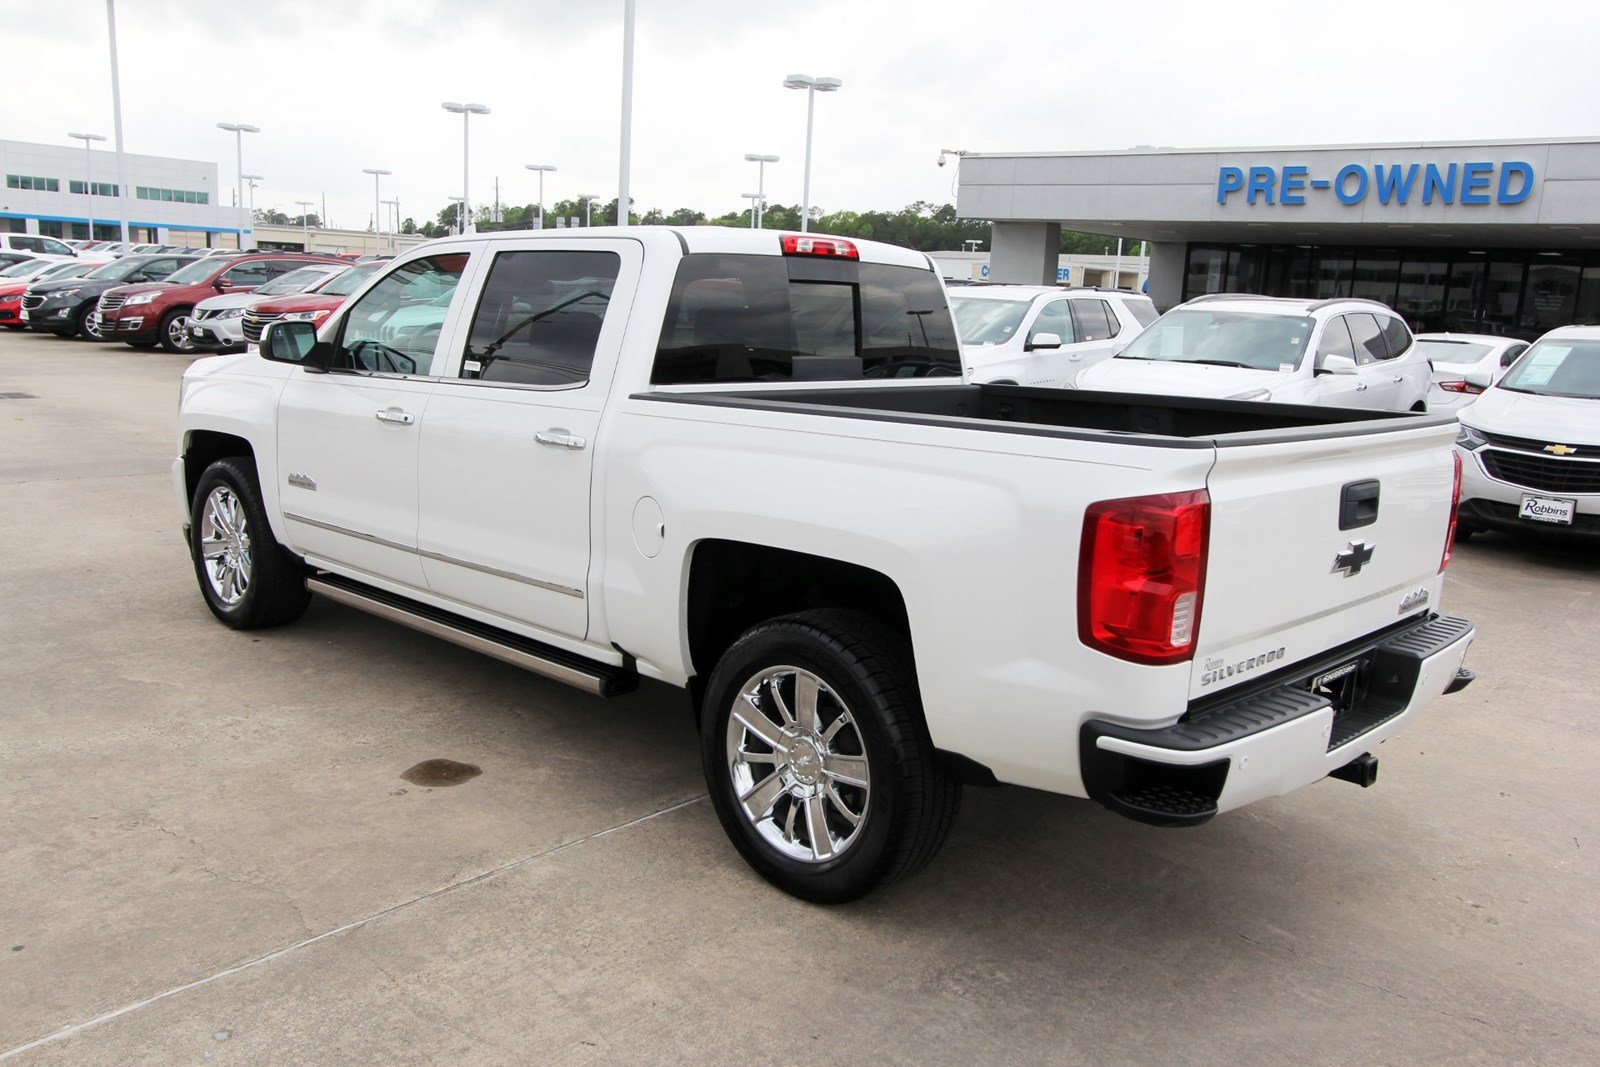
158	312
314	305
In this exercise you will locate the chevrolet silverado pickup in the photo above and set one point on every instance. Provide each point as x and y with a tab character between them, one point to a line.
746	463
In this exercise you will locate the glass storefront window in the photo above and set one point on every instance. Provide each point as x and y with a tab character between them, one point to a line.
1420	295
1207	271
1550	294
1334	272
1587	308
1376	275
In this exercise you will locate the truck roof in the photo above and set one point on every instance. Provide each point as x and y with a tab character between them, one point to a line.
727	239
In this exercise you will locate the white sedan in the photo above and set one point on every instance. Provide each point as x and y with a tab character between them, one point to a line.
1464	365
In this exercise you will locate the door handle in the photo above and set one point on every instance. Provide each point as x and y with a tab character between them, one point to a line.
404	418
1399	377
560	439
1361	387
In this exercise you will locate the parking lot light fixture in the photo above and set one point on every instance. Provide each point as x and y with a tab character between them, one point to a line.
239	129
88	171
459	202
466	111
252	180
812	86
588	207
305	223
542	168
394	222
755	206
761	183
377	208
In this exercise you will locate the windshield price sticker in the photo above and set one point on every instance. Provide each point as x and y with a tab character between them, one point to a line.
1547	359
1546	509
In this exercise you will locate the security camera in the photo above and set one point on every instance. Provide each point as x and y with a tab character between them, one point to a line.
941	159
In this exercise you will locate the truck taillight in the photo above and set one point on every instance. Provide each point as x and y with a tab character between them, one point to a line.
1455	504
795	244
1141	573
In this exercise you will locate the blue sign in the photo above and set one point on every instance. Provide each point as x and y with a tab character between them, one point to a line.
1392	183
1063	274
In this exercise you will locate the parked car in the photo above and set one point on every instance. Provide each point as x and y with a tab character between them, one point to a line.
158	312
683	454
1043	335
1530	443
15	279
314	305
32	244
1340	352
217	322
1454	355
66	307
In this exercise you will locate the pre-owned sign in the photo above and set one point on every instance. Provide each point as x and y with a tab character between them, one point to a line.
1391	183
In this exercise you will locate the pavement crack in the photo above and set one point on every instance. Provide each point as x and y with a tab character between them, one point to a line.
482	876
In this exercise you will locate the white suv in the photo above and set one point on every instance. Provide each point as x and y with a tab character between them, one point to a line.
1043	334
37	246
1342	352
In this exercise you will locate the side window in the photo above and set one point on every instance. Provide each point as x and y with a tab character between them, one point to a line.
395	327
1055	317
1112	318
539	317
27	244
1336	339
1395	336
247	275
1090	316
1143	311
55	248
1511	355
1368	338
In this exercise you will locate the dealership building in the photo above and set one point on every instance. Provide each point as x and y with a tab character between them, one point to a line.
1497	237
56	189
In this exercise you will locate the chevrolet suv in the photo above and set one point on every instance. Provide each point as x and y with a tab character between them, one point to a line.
158	312
65	307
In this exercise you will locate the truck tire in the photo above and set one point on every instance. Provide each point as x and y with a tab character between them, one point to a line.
842	794
175	331
249	581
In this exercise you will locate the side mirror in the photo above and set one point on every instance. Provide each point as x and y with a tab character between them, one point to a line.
294	342
1042	340
222	285
1479	378
1329	363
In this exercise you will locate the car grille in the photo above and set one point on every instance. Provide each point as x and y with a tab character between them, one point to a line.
1526	444
110	303
32	303
1543	472
255	324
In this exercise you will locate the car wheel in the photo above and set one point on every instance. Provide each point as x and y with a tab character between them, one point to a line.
817	759
175	331
1419	406
89	324
249	580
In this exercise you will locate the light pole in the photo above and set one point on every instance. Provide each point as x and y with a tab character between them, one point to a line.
305	223
252	179
624	200
377	218
88	170
116	118
542	168
239	129
466	111
459	203
755	206
971	244
394	221
588	207
812	86
761	183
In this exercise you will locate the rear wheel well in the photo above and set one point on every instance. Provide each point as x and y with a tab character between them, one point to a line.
205	447
733	585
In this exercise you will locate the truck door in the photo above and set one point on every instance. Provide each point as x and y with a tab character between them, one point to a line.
508	449
347	439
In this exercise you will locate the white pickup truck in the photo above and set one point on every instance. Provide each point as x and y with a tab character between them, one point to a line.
745	463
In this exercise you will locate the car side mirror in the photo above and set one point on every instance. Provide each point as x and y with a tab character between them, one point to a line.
222	285
1042	340
295	342
1329	363
1479	378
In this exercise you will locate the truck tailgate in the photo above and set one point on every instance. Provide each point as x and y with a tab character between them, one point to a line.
1284	582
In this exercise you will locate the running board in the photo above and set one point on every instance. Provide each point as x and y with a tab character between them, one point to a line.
542	659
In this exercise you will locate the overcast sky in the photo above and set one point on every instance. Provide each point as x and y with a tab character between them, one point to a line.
338	85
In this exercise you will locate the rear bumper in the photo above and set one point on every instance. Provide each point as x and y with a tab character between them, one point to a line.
1270	740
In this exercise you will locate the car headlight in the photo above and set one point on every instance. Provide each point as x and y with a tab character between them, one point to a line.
303	316
1469	439
139	298
229	313
1253	394
59	293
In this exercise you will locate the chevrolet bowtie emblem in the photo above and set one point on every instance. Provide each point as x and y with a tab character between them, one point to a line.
1560	450
1352	559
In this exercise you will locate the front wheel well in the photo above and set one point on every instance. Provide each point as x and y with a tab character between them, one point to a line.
205	447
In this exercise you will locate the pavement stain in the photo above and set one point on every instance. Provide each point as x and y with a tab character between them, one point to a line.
441	772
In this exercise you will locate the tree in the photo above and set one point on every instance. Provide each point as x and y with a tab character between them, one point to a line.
268	216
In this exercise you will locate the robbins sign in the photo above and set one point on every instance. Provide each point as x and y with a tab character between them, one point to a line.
1395	183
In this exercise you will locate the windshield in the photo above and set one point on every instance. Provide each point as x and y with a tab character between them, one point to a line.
1557	368
987	322
200	270
1224	338
119	269
296	281
1450	351
346	283
26	269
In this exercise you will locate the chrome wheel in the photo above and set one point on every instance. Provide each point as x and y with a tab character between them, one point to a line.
91	325
798	764
178	333
225	545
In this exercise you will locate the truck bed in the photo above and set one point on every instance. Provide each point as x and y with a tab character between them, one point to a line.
1084	414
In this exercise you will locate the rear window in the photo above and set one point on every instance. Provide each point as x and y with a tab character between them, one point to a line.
1143	311
743	318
